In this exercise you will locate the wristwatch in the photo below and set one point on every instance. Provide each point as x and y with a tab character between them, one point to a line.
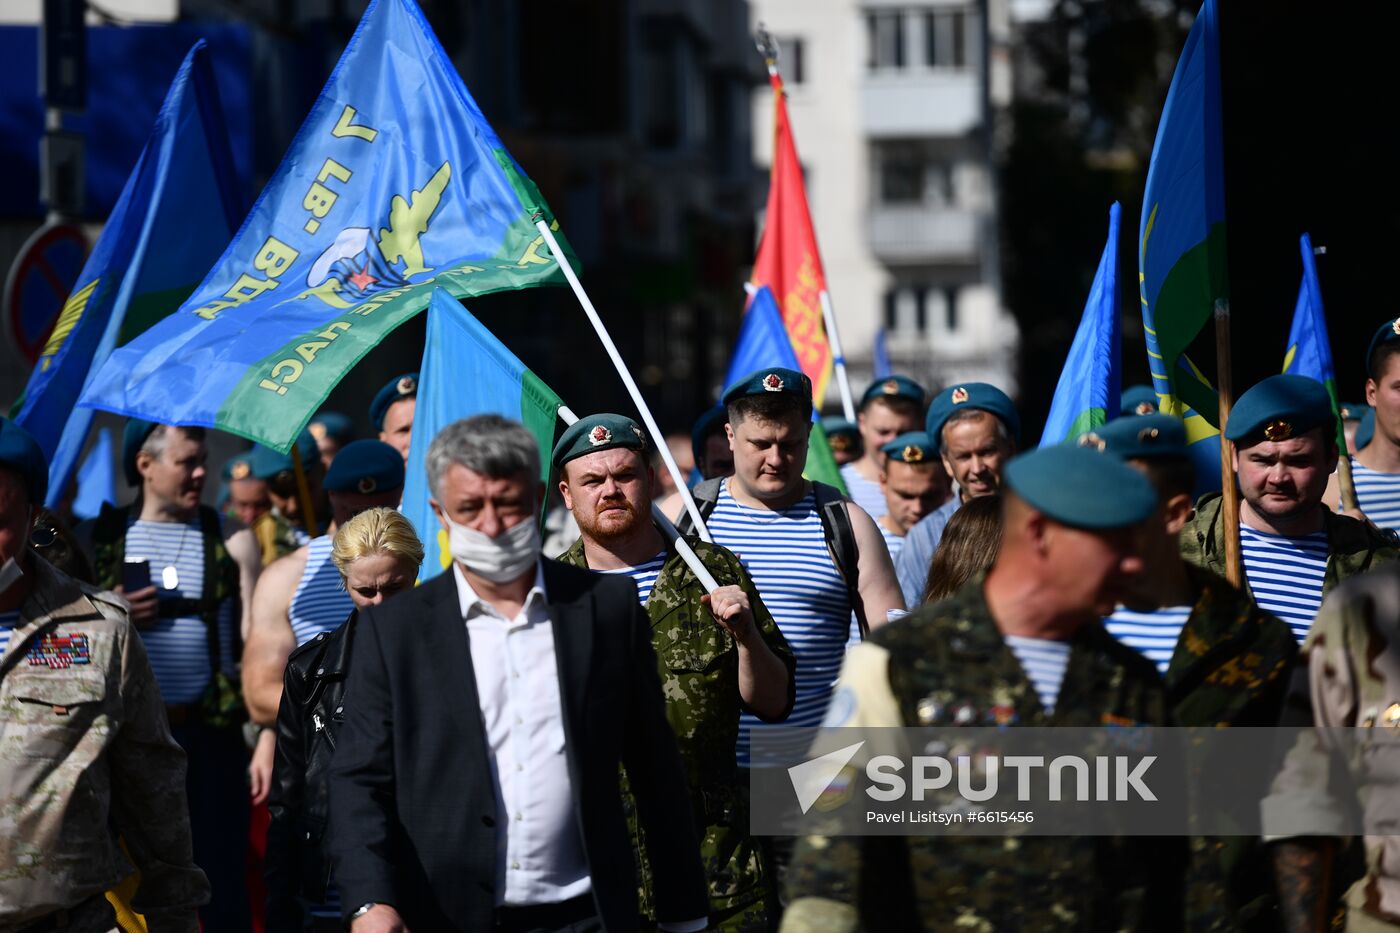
363	909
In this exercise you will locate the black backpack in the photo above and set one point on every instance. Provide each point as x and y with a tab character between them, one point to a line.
836	526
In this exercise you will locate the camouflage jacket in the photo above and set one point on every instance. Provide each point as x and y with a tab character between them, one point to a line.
927	670
86	756
275	536
699	666
1353	546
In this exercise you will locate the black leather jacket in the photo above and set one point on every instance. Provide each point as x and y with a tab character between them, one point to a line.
313	696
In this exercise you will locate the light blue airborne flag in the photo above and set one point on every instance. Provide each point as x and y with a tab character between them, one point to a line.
1309	349
880	357
1181	259
466	371
395	185
175	215
763	341
1087	393
97	478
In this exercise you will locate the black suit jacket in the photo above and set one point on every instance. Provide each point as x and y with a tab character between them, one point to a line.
412	803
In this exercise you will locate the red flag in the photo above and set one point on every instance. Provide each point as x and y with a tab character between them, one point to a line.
788	261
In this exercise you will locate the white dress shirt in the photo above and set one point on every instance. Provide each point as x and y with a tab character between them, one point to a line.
539	850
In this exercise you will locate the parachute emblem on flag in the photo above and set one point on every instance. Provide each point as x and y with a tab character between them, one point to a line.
772	383
599	436
358	264
959	395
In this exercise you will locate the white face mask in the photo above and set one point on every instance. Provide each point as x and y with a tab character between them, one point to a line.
500	559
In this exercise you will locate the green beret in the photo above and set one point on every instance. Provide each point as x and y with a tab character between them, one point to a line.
1138	400
598	432
894	387
1281	407
1081	487
709	424
365	467
1386	333
1141	437
912	447
1366	429
776	379
133	437
977	395
841	435
405	386
21	453
334	425
268	464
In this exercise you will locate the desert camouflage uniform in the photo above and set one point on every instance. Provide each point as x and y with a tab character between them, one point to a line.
1353	683
699	664
928	669
86	756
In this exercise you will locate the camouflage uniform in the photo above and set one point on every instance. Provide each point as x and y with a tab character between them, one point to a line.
275	536
85	756
1353	546
1231	667
1353	655
922	671
699	665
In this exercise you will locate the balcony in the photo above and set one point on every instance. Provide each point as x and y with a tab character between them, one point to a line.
923	234
905	104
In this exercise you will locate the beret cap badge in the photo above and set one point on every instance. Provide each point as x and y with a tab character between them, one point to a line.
959	395
1278	431
1395	325
240	470
1093	441
599	436
772	383
318	430
1145	408
366	485
891	387
406	385
913	454
1151	434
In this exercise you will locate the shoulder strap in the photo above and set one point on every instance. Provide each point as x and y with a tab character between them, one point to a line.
705	494
833	509
109	544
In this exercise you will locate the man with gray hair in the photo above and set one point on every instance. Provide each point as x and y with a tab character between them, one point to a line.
475	785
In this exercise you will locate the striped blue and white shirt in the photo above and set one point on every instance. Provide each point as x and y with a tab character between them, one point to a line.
9	621
179	647
1151	634
1285	575
644	575
786	554
863	492
1378	494
1044	661
320	602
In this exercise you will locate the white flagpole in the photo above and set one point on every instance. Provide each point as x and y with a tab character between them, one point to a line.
668	530
627	380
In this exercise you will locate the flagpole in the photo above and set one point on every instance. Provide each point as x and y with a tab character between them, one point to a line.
627	380
304	493
1230	514
668	530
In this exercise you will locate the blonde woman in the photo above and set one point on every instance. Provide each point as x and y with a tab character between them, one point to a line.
377	554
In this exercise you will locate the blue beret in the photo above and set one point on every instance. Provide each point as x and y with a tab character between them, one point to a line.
21	453
977	395
1366	429
1138	400
365	467
841	435
912	447
710	423
598	432
239	467
1281	407
1143	437
776	379
405	386
1386	333
133	436
1081	487
334	425
267	463
894	387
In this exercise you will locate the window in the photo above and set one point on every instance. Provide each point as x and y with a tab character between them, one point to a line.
886	29
891	312
945	40
791	55
952	309
901	178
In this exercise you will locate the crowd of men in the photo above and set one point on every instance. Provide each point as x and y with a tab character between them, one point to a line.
561	740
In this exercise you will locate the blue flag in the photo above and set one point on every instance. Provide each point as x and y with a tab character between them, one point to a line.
1087	393
175	215
457	344
1309	349
97	478
395	185
881	357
